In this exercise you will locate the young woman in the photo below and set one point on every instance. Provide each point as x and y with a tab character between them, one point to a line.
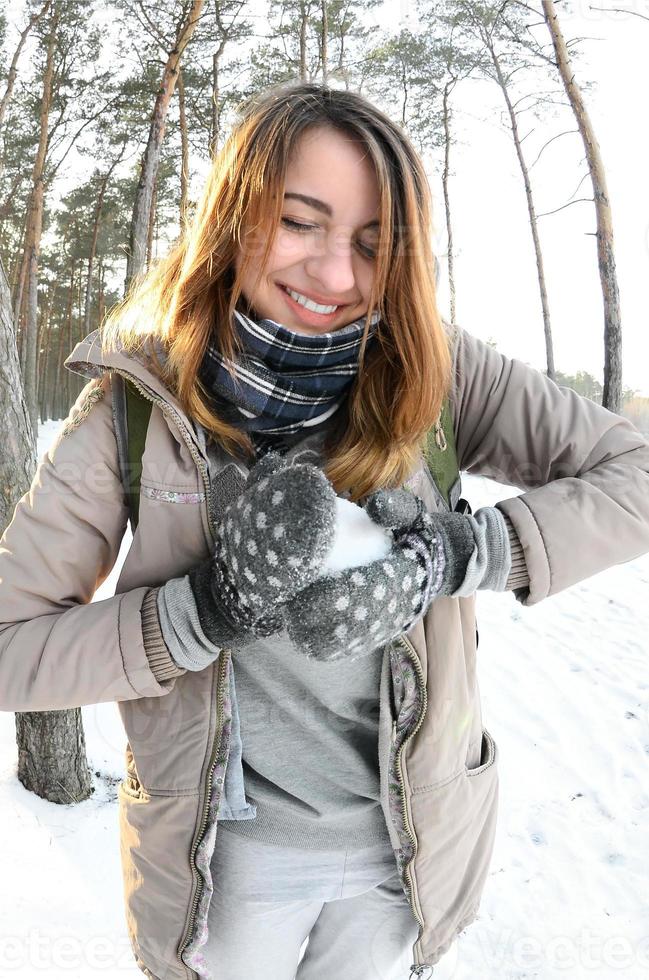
292	352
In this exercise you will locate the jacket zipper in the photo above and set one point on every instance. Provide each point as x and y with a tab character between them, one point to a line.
167	409
404	809
224	657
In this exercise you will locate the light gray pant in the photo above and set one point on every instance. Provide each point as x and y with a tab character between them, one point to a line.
268	899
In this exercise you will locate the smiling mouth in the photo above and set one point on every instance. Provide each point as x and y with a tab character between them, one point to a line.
323	309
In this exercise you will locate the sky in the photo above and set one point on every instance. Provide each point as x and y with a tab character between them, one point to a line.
497	288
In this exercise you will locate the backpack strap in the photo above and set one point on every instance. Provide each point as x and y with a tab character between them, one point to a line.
441	458
131	415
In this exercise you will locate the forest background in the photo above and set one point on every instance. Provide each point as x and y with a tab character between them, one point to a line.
83	85
110	115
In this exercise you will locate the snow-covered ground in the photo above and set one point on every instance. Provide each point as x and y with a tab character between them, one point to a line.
565	693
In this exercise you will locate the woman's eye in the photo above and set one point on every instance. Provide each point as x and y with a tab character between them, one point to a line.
297	225
367	252
300	227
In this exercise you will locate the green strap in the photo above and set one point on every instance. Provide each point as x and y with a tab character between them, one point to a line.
439	450
440	453
138	412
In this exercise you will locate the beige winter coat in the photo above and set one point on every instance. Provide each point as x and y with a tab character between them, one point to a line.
585	472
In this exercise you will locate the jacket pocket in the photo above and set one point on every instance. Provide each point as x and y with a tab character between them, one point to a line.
488	755
455	825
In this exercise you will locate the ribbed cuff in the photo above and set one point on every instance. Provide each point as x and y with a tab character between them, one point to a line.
160	660
519	576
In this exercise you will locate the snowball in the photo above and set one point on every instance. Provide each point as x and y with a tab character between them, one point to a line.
357	541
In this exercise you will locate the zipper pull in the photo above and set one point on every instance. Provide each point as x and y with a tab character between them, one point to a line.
418	971
393	737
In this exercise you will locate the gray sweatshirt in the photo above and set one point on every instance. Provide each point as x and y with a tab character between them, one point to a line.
304	761
309	733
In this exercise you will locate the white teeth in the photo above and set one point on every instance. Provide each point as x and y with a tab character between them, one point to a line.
309	304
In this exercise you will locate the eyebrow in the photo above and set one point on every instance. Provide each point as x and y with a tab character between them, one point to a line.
321	206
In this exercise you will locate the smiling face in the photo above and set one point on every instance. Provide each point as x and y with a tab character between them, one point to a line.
324	245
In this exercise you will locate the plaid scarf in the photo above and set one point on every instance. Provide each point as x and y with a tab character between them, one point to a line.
285	380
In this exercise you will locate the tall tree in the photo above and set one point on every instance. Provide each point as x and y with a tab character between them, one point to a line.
13	68
500	59
18	458
67	45
101	184
151	16
51	746
612	396
312	40
35	226
459	65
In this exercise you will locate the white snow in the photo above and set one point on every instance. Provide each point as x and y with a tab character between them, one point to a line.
565	693
358	539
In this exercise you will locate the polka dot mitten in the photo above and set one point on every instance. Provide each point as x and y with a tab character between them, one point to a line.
349	613
270	545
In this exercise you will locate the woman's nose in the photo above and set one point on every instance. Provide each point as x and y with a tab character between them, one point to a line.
331	262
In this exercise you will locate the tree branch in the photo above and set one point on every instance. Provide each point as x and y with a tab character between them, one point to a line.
577	200
551	140
617	10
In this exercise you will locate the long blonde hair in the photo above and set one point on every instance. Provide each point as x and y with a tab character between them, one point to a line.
190	295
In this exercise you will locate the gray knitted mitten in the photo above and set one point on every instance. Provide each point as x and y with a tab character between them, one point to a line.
270	545
350	613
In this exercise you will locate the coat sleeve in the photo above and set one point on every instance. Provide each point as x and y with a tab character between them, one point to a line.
57	648
585	469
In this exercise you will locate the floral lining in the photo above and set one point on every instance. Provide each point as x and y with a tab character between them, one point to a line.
408	703
172	496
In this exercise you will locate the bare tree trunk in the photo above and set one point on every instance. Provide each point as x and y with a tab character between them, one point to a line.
68	344
21	266
43	346
31	312
51	747
100	311
184	153
323	42
13	69
93	244
45	396
149	236
9	199
52	758
76	381
612	393
447	203
18	456
34	229
216	85
214	137
63	381
58	389
151	158
545	306
303	24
